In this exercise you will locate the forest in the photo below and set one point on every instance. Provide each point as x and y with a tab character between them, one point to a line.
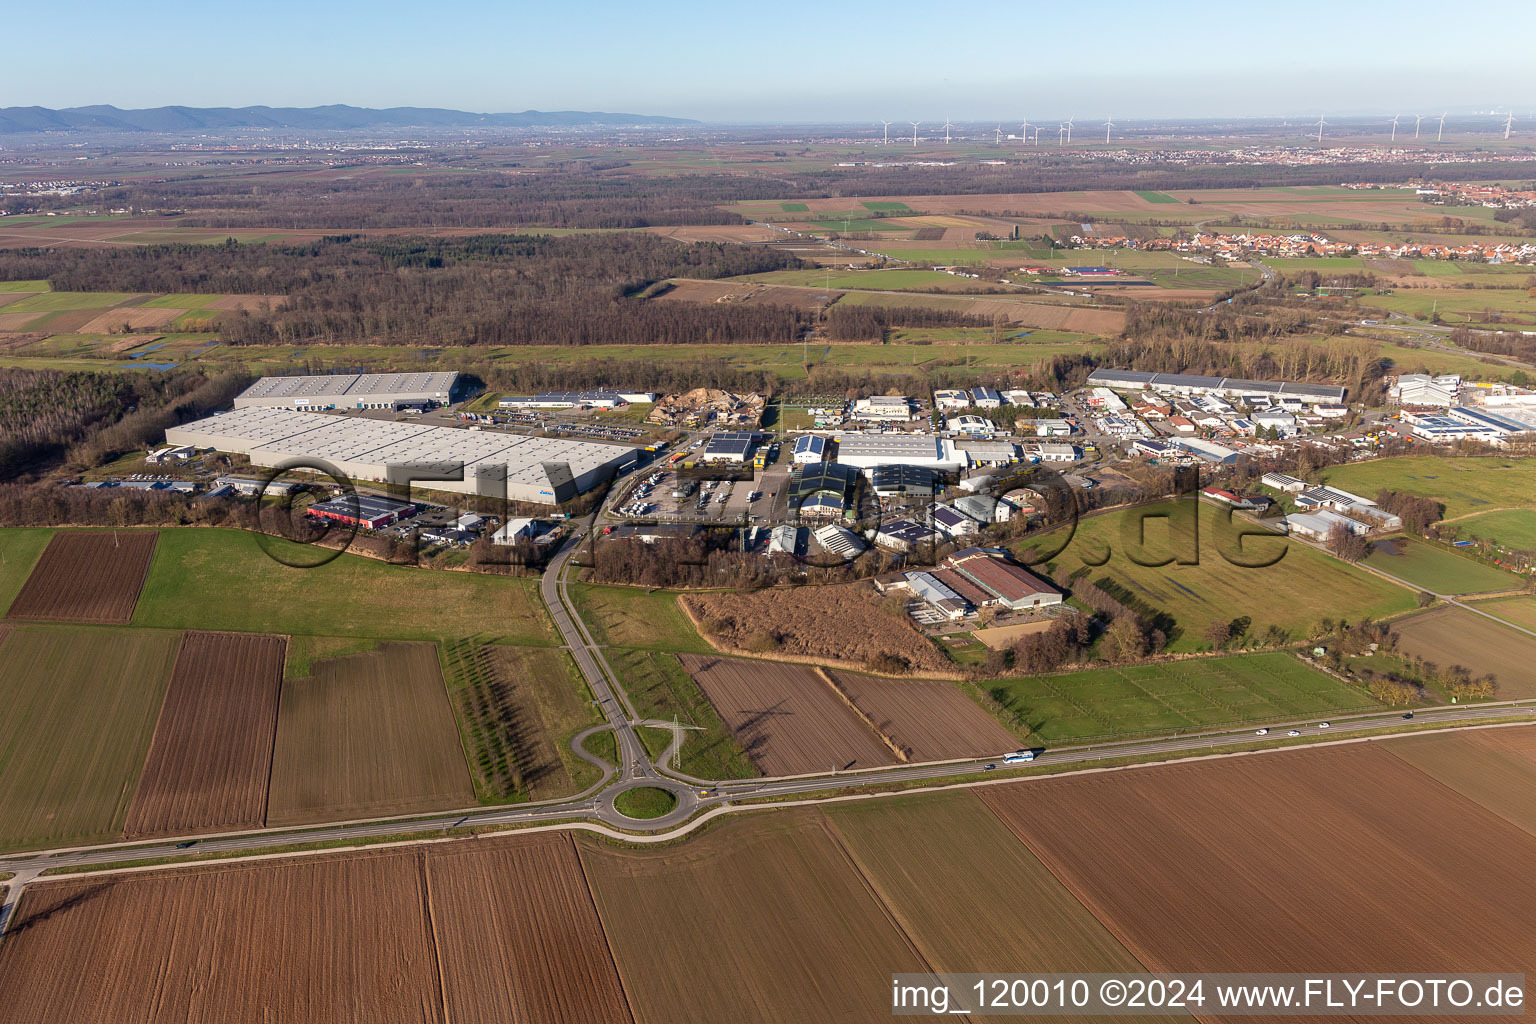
85	419
481	290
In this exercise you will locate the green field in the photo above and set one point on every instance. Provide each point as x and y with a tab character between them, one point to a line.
19	550
1461	485
1155	197
222	579
1304	586
24	286
1454	304
81	707
1514	529
635	617
53	302
659	689
794	207
886	206
1185	696
1437	570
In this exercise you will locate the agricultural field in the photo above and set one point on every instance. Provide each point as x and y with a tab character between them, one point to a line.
82	704
119	314
86	576
927	857
1494	768
926	720
518	709
1304	586
211	758
660	688
1437	570
1455	636
19	552
306	939
1513	529
223	579
837	625
635	617
367	734
786	717
802	922
518	936
1300	858
872	280
1462	485
1521	611
1181	696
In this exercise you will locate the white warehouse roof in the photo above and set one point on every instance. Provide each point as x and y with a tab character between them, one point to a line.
348	390
537	469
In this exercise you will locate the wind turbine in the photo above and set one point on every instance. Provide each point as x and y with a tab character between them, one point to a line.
914	132
887	131
947	127
1441	133
1069	128
1509	122
1320	123
1061	134
997	136
1024	127
1037	135
1108	124
1416	119
1394	127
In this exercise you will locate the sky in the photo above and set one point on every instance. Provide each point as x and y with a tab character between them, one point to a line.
788	61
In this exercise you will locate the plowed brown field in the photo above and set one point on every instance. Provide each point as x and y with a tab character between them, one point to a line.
786	717
930	721
211	758
1342	856
87	576
761	919
1494	768
929	857
336	939
367	734
114	320
518	934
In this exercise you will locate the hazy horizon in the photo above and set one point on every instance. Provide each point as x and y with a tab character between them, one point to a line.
853	63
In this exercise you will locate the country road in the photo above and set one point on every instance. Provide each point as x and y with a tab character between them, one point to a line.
694	796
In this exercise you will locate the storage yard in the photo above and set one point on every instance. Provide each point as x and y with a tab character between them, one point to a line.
542	470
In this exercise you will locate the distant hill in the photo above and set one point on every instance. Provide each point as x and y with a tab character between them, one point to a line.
337	117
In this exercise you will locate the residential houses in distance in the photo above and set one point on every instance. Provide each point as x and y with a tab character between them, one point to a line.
1294	246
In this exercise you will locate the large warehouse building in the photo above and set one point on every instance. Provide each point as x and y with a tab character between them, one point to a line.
350	391
866	451
1194	384
545	470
